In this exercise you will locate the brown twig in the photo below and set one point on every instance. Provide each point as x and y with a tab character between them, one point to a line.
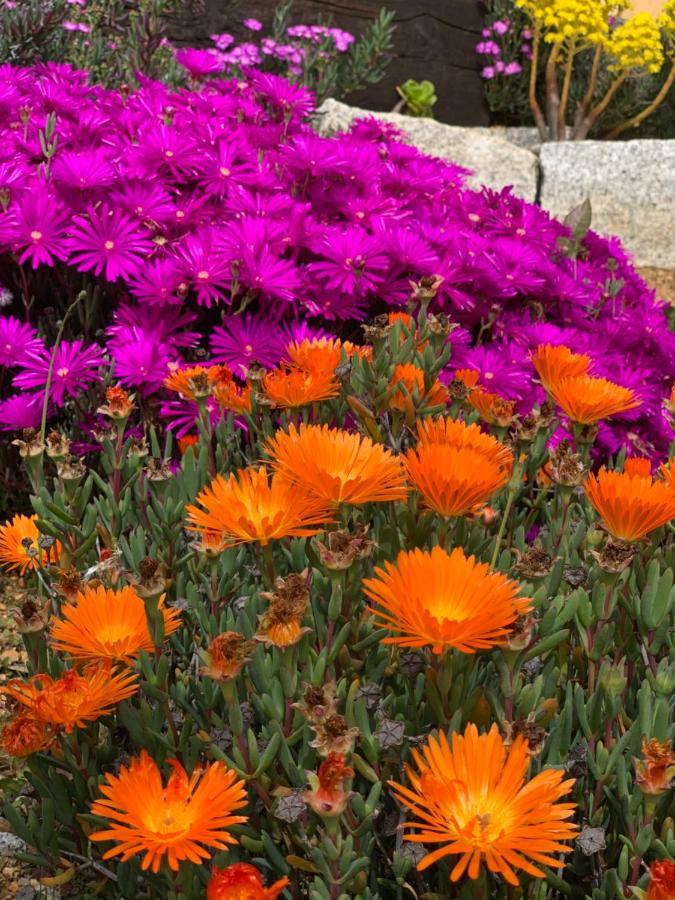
634	121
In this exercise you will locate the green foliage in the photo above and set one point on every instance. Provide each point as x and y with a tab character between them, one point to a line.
419	98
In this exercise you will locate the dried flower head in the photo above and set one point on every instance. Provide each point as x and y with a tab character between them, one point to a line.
318	703
534	735
655	772
327	795
281	624
340	549
119	404
33	616
333	735
31	445
615	556
492	408
24	735
226	656
534	563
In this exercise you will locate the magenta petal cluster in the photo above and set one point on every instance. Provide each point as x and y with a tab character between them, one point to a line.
215	221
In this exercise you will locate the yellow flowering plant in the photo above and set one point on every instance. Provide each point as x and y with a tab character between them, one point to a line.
629	48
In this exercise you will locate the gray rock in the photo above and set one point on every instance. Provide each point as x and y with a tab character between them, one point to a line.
494	161
10	844
631	186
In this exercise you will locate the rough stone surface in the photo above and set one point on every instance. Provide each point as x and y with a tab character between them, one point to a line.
631	186
493	160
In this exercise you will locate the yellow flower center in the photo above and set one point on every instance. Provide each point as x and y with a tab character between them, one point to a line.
203	275
109	245
36	235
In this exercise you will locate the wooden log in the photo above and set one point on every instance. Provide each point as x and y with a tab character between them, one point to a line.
434	39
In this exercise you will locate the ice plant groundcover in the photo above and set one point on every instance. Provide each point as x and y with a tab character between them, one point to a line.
313	609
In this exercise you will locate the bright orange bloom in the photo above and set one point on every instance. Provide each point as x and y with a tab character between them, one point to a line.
555	362
75	698
661	880
24	735
455	480
107	624
193	382
242	881
638	465
172	821
187	440
403	317
444	430
655	773
667	472
471	797
336	465
248	506
412	378
492	408
323	354
630	505
586	400
441	600
468	377
229	395
289	386
19	545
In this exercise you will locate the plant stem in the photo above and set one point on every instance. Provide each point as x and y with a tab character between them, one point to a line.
537	114
634	121
502	527
567	81
552	96
50	370
590	119
587	99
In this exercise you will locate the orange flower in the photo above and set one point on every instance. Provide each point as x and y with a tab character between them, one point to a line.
226	656
172	821
323	354
242	881
119	404
194	382
327	795
471	797
638	465
455	480
336	465
281	624
444	430
289	386
230	395
24	735
468	377
19	547
75	698
247	507
187	440
441	600
655	773
586	400
661	880
630	505
553	363
667	472
412	379
492	408
108	624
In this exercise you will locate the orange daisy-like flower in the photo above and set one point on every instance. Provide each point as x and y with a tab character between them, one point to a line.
468	377
289	386
231	396
107	624
76	697
444	430
412	379
492	408
661	880
187	440
177	821
248	506
555	362
455	480
630	505
24	735
242	881
585	399
441	600
338	466
472	797
19	545
194	382
638	465
667	472
323	354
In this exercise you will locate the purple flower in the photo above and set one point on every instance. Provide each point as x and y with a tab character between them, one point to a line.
488	72
40	223
513	68
501	26
75	369
222	41
17	341
252	24
244	340
204	267
140	360
21	411
199	63
108	241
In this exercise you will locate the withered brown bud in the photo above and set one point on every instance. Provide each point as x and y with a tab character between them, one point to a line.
58	446
615	556
148	567
426	288
281	624
200	385
342	548
32	617
69	583
318	703
520	635
138	447
157	470
71	469
333	735
377	329
534	563
534	734
567	467
440	325
31	445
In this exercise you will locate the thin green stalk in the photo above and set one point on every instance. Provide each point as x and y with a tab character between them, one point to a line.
50	371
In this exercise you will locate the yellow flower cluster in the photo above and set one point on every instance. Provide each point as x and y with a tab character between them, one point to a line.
576	20
666	20
636	44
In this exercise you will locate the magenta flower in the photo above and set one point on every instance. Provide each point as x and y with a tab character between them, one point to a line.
252	24
353	260
204	267
21	411
75	369
17	341
84	170
244	340
140	360
110	242
40	223
199	63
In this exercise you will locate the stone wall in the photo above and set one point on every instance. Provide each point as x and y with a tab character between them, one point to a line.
434	39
